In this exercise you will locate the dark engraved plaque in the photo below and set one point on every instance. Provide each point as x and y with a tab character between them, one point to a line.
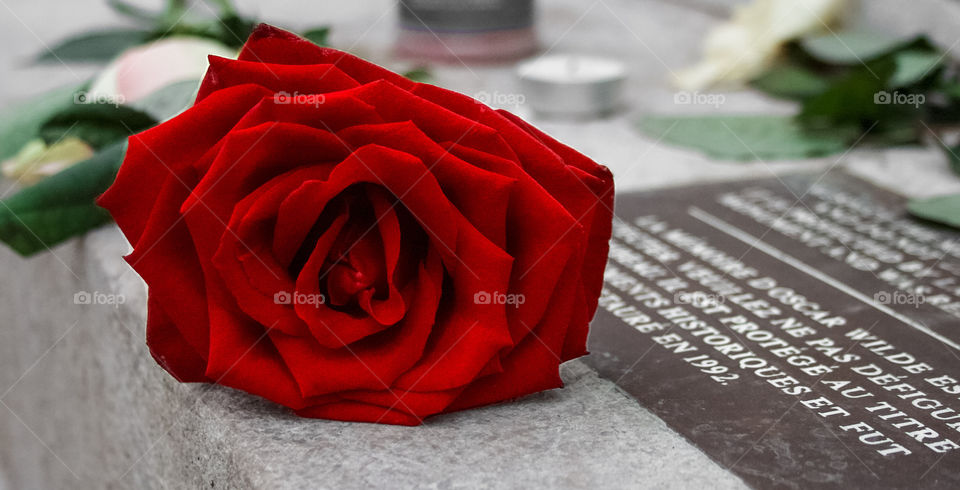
803	331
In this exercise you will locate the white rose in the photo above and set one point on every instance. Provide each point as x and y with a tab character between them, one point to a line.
743	47
142	70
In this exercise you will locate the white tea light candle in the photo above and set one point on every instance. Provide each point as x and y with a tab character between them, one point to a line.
573	85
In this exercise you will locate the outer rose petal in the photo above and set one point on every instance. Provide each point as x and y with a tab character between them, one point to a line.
584	188
177	282
268	44
306	79
601	186
167	346
150	156
533	365
350	411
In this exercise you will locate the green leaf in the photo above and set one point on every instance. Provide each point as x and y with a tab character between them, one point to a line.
20	124
135	12
950	88
318	35
230	30
851	48
745	137
421	74
942	209
234	30
226	7
97	124
852	99
913	66
790	81
97	46
61	206
896	130
862	103
168	101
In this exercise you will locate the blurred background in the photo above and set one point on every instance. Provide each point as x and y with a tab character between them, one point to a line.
655	41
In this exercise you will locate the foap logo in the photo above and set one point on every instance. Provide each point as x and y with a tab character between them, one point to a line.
98	298
498	298
500	99
295	298
899	298
898	98
684	97
284	98
81	98
699	299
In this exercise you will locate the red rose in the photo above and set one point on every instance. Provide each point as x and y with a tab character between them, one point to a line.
334	237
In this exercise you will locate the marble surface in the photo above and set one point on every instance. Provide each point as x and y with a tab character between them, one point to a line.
84	405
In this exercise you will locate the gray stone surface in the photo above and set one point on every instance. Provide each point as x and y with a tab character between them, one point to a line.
84	405
93	410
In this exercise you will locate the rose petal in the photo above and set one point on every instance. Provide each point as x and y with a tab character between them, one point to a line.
374	362
551	236
170	348
268	44
179	282
248	158
469	333
416	404
398	172
332	328
242	354
394	104
349	411
533	365
335	111
459	179
153	153
598	225
292	80
390	309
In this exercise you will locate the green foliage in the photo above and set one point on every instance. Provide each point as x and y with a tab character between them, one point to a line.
60	206
317	35
96	46
20	124
942	209
744	137
420	74
850	86
97	124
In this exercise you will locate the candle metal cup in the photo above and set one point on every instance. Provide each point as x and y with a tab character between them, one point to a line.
572	85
